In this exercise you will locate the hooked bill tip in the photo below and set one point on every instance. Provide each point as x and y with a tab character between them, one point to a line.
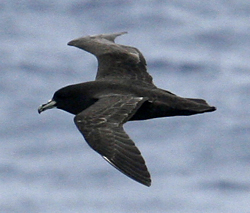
51	104
40	109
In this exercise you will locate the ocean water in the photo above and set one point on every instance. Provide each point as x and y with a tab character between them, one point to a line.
195	49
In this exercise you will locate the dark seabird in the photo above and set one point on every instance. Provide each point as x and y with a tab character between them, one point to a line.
122	91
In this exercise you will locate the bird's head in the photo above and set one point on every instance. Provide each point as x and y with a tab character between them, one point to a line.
70	99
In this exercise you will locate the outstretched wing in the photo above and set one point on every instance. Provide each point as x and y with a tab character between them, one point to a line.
115	61
102	127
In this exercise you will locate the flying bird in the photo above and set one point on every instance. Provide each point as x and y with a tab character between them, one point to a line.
122	91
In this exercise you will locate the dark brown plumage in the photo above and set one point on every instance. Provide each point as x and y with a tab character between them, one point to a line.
123	91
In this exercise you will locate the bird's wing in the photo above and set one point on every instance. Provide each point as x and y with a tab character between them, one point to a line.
102	127
115	61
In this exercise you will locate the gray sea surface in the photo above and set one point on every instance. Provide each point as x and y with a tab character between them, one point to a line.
198	164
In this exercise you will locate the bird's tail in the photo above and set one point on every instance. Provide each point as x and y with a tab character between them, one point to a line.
201	106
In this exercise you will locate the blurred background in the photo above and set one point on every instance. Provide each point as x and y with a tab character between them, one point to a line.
194	49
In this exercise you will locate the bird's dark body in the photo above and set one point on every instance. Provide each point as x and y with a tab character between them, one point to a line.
158	103
123	91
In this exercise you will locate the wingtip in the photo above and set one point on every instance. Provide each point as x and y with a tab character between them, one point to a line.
144	182
96	39
148	184
122	33
112	36
144	179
